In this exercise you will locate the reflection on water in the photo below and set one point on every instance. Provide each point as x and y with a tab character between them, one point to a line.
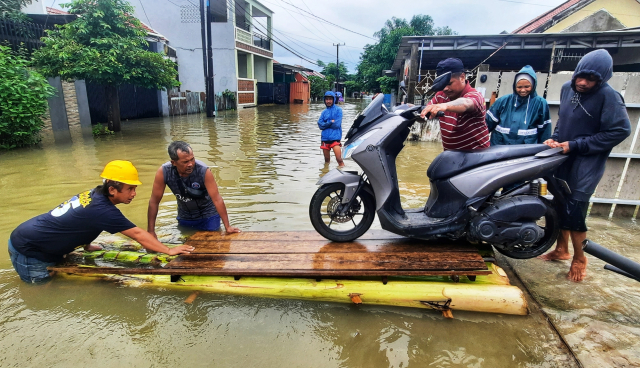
266	162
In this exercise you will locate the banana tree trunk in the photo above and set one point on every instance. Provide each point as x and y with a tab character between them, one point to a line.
113	108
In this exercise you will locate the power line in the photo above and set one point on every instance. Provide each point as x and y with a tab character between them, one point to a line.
326	21
231	6
273	37
324	41
145	13
293	40
326	28
307	19
320	19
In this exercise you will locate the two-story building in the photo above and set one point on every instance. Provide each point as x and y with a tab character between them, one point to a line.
241	43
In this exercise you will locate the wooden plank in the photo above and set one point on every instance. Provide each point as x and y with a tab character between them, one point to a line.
608	186
625	146
324	246
553	114
542	83
506	83
332	261
282	236
265	273
632	93
630	190
555	85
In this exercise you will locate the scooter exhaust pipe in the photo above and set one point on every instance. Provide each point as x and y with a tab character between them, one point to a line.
628	267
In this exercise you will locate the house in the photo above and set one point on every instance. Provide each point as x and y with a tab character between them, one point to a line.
292	83
585	16
241	43
83	103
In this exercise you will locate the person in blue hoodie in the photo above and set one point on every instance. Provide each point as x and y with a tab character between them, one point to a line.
521	117
330	123
592	119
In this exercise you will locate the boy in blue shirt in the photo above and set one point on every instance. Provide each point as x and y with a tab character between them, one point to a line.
330	123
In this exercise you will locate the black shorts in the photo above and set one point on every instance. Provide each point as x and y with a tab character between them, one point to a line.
572	215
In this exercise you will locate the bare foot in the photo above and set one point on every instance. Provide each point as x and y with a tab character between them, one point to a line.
578	270
556	255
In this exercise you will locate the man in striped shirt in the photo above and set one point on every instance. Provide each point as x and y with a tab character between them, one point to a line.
462	126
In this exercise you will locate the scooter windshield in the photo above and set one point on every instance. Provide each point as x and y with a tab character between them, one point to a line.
373	112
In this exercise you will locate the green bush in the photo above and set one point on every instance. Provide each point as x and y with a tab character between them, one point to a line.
387	84
100	129
23	101
318	86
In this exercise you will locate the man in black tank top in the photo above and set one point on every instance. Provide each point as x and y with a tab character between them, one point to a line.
200	205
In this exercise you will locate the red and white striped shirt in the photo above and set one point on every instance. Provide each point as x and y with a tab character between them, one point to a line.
464	131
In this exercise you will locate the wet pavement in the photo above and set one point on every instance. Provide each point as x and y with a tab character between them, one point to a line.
266	162
600	317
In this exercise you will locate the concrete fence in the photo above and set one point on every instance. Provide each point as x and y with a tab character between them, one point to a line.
68	107
618	193
184	103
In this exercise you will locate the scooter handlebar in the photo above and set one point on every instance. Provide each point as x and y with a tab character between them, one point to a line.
413	112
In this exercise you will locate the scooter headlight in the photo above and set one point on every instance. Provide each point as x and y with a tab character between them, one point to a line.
351	147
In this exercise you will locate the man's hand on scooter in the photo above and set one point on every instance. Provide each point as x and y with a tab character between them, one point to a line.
433	110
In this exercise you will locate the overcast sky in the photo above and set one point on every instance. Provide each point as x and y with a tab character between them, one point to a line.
313	38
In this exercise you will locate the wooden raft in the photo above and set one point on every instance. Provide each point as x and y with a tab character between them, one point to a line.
307	254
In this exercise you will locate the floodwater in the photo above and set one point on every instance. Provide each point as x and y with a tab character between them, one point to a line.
266	161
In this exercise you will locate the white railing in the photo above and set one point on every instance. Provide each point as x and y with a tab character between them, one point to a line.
243	36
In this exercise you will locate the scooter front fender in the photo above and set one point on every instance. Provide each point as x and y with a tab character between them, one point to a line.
348	178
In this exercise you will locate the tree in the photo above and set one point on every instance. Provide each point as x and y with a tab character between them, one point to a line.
381	55
104	45
11	8
387	84
330	70
318	86
23	101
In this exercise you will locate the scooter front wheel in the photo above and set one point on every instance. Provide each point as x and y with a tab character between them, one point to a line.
325	213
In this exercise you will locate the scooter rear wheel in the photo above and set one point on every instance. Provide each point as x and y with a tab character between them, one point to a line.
551	225
325	218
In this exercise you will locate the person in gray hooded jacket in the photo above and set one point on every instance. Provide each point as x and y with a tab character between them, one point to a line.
592	119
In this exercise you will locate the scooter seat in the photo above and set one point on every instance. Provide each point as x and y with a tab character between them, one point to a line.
453	162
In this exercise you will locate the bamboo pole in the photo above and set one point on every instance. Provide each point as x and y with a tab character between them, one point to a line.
410	292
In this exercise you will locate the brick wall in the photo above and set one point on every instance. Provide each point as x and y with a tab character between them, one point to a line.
71	103
245	98
245	85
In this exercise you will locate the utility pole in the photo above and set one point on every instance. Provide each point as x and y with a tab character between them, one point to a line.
211	102
203	35
337	64
207	57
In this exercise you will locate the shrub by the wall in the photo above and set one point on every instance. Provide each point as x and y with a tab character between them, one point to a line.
23	101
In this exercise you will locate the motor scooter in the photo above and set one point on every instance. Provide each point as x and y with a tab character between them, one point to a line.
520	223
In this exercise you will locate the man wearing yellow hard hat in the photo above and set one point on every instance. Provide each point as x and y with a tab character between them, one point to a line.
44	240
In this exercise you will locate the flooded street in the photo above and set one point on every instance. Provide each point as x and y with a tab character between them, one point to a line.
266	161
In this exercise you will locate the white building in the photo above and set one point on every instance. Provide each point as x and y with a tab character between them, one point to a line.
241	43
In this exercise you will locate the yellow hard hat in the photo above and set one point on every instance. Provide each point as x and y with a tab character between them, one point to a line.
122	171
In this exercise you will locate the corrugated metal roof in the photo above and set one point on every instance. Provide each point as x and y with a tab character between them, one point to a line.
542	19
314	73
56	11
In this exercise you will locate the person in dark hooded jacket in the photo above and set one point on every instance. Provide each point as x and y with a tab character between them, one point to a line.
330	122
521	117
592	119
